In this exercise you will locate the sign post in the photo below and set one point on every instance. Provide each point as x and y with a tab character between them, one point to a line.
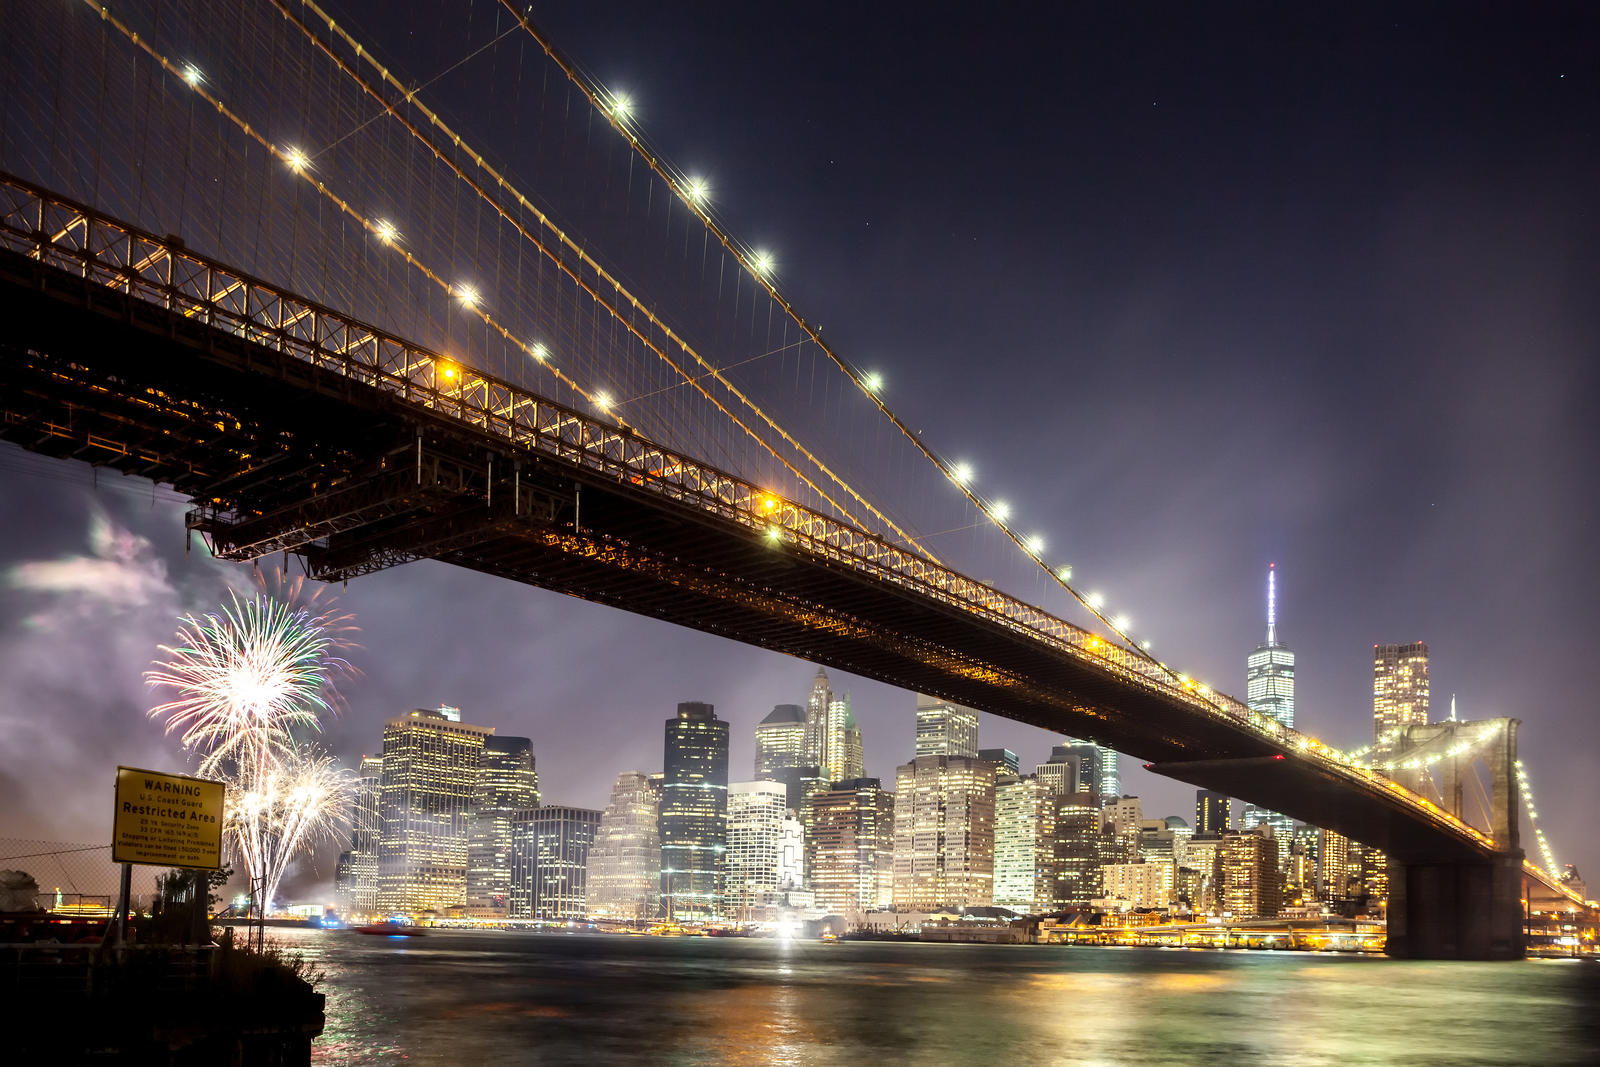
165	820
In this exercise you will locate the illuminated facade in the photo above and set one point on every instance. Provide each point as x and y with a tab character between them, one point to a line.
853	847
1094	768
1269	691
1203	859
1082	847
1058	774
624	879
1024	844
1251	886
694	813
1399	693
943	833
945	729
507	784
1132	886
780	741
550	862
833	740
430	774
356	880
1333	865
1211	815
752	862
1124	817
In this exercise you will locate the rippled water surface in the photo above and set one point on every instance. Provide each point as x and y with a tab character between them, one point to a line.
481	999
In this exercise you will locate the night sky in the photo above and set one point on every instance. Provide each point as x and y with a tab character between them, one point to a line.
1203	287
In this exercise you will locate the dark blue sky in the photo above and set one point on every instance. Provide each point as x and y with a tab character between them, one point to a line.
1197	290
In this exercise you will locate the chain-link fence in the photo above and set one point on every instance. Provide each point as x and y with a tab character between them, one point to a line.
68	877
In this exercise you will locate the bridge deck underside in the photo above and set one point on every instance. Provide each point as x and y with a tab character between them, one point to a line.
282	455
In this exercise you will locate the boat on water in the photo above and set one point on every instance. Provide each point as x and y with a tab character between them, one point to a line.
389	929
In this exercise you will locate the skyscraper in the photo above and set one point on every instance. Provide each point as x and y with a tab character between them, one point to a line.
550	862
1005	761
853	827
430	772
694	812
625	860
1081	848
1269	691
833	740
1251	884
1211	816
507	784
1095	767
780	740
1024	844
945	729
356	879
751	868
1399	693
943	833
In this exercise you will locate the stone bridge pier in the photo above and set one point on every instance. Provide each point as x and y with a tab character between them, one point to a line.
1460	907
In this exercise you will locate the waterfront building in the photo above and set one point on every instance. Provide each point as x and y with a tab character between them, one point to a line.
1135	886
1300	882
508	783
550	862
1005	761
1333	865
1211	816
1024	844
943	833
429	776
1081	847
1269	691
694	812
945	729
356	878
780	740
1203	858
751	864
1251	886
1399	693
791	854
853	832
624	879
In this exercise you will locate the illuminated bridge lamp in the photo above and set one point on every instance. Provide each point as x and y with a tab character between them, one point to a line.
385	231
769	503
192	76
1001	511
962	473
467	295
297	160
1034	544
538	351
763	262
873	381
697	190
622	106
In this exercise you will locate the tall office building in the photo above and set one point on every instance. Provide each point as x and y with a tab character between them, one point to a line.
507	784
780	740
1203	858
1269	691
550	862
1124	817
943	833
356	879
1333	865
1058	774
694	813
945	729
751	865
1005	761
430	774
1211	816
1096	768
833	740
1082	847
624	879
853	831
1399	693
1024	844
1251	885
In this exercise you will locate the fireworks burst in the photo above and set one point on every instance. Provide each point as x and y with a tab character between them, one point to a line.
246	681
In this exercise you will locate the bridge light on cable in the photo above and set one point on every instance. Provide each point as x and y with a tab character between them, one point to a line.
468	295
622	106
538	351
385	231
698	190
872	381
297	160
961	473
763	262
1034	544
192	76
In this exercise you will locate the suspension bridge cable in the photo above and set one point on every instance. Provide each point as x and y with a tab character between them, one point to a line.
411	97
692	198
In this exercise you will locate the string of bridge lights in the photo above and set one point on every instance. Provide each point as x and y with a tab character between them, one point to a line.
1533	819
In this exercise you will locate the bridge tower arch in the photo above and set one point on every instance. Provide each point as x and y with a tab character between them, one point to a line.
1460	907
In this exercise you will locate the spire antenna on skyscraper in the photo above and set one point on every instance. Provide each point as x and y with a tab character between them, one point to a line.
1272	603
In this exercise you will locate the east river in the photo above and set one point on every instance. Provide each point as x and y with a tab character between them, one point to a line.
482	999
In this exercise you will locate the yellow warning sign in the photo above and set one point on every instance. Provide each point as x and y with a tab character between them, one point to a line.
167	820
